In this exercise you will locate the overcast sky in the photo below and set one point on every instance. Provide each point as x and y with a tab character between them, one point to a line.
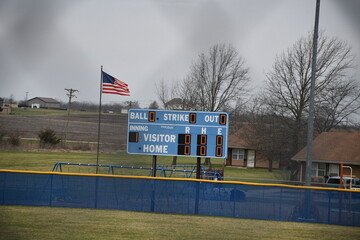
49	45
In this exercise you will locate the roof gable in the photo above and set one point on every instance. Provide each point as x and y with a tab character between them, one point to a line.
238	139
336	147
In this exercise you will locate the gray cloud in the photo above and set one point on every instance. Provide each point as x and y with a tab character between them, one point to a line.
47	45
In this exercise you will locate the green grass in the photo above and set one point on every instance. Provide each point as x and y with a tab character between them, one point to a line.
18	222
44	161
40	161
255	173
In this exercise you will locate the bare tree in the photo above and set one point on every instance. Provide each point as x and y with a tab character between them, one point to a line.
131	104
215	79
163	91
337	104
154	105
187	92
11	99
166	92
262	129
288	83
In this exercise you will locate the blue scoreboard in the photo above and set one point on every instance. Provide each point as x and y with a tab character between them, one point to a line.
178	133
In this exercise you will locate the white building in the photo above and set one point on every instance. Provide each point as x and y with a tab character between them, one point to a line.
42	102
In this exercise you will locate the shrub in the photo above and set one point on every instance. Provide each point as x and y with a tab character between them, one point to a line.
14	139
82	147
48	137
2	134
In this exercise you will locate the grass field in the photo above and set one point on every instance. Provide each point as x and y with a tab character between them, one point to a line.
44	161
22	222
18	222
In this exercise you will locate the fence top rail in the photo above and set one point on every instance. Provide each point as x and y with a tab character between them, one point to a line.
179	179
104	165
158	167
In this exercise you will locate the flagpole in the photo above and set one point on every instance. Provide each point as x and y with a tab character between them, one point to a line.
98	139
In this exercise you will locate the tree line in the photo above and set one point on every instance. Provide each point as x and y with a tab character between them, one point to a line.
85	106
275	118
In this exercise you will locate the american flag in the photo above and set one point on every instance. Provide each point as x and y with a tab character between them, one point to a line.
114	86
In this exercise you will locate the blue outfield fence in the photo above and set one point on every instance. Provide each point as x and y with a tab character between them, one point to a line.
181	196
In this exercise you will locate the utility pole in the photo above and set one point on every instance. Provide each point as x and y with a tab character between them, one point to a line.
70	94
26	99
310	131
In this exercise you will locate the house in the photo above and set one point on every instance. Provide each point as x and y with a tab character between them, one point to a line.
179	104
42	102
175	103
124	111
242	154
330	149
4	108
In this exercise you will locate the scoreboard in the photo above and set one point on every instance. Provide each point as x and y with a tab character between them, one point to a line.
177	133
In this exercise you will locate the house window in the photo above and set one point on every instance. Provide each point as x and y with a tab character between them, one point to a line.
333	170
238	154
318	169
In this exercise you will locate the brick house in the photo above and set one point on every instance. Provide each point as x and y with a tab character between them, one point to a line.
242	154
329	150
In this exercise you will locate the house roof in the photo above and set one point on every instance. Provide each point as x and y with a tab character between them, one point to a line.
174	101
238	139
44	99
334	147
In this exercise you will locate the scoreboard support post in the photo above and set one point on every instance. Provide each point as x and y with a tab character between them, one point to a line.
154	165
198	163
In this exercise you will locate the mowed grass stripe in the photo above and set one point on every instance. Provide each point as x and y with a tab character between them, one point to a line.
20	222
